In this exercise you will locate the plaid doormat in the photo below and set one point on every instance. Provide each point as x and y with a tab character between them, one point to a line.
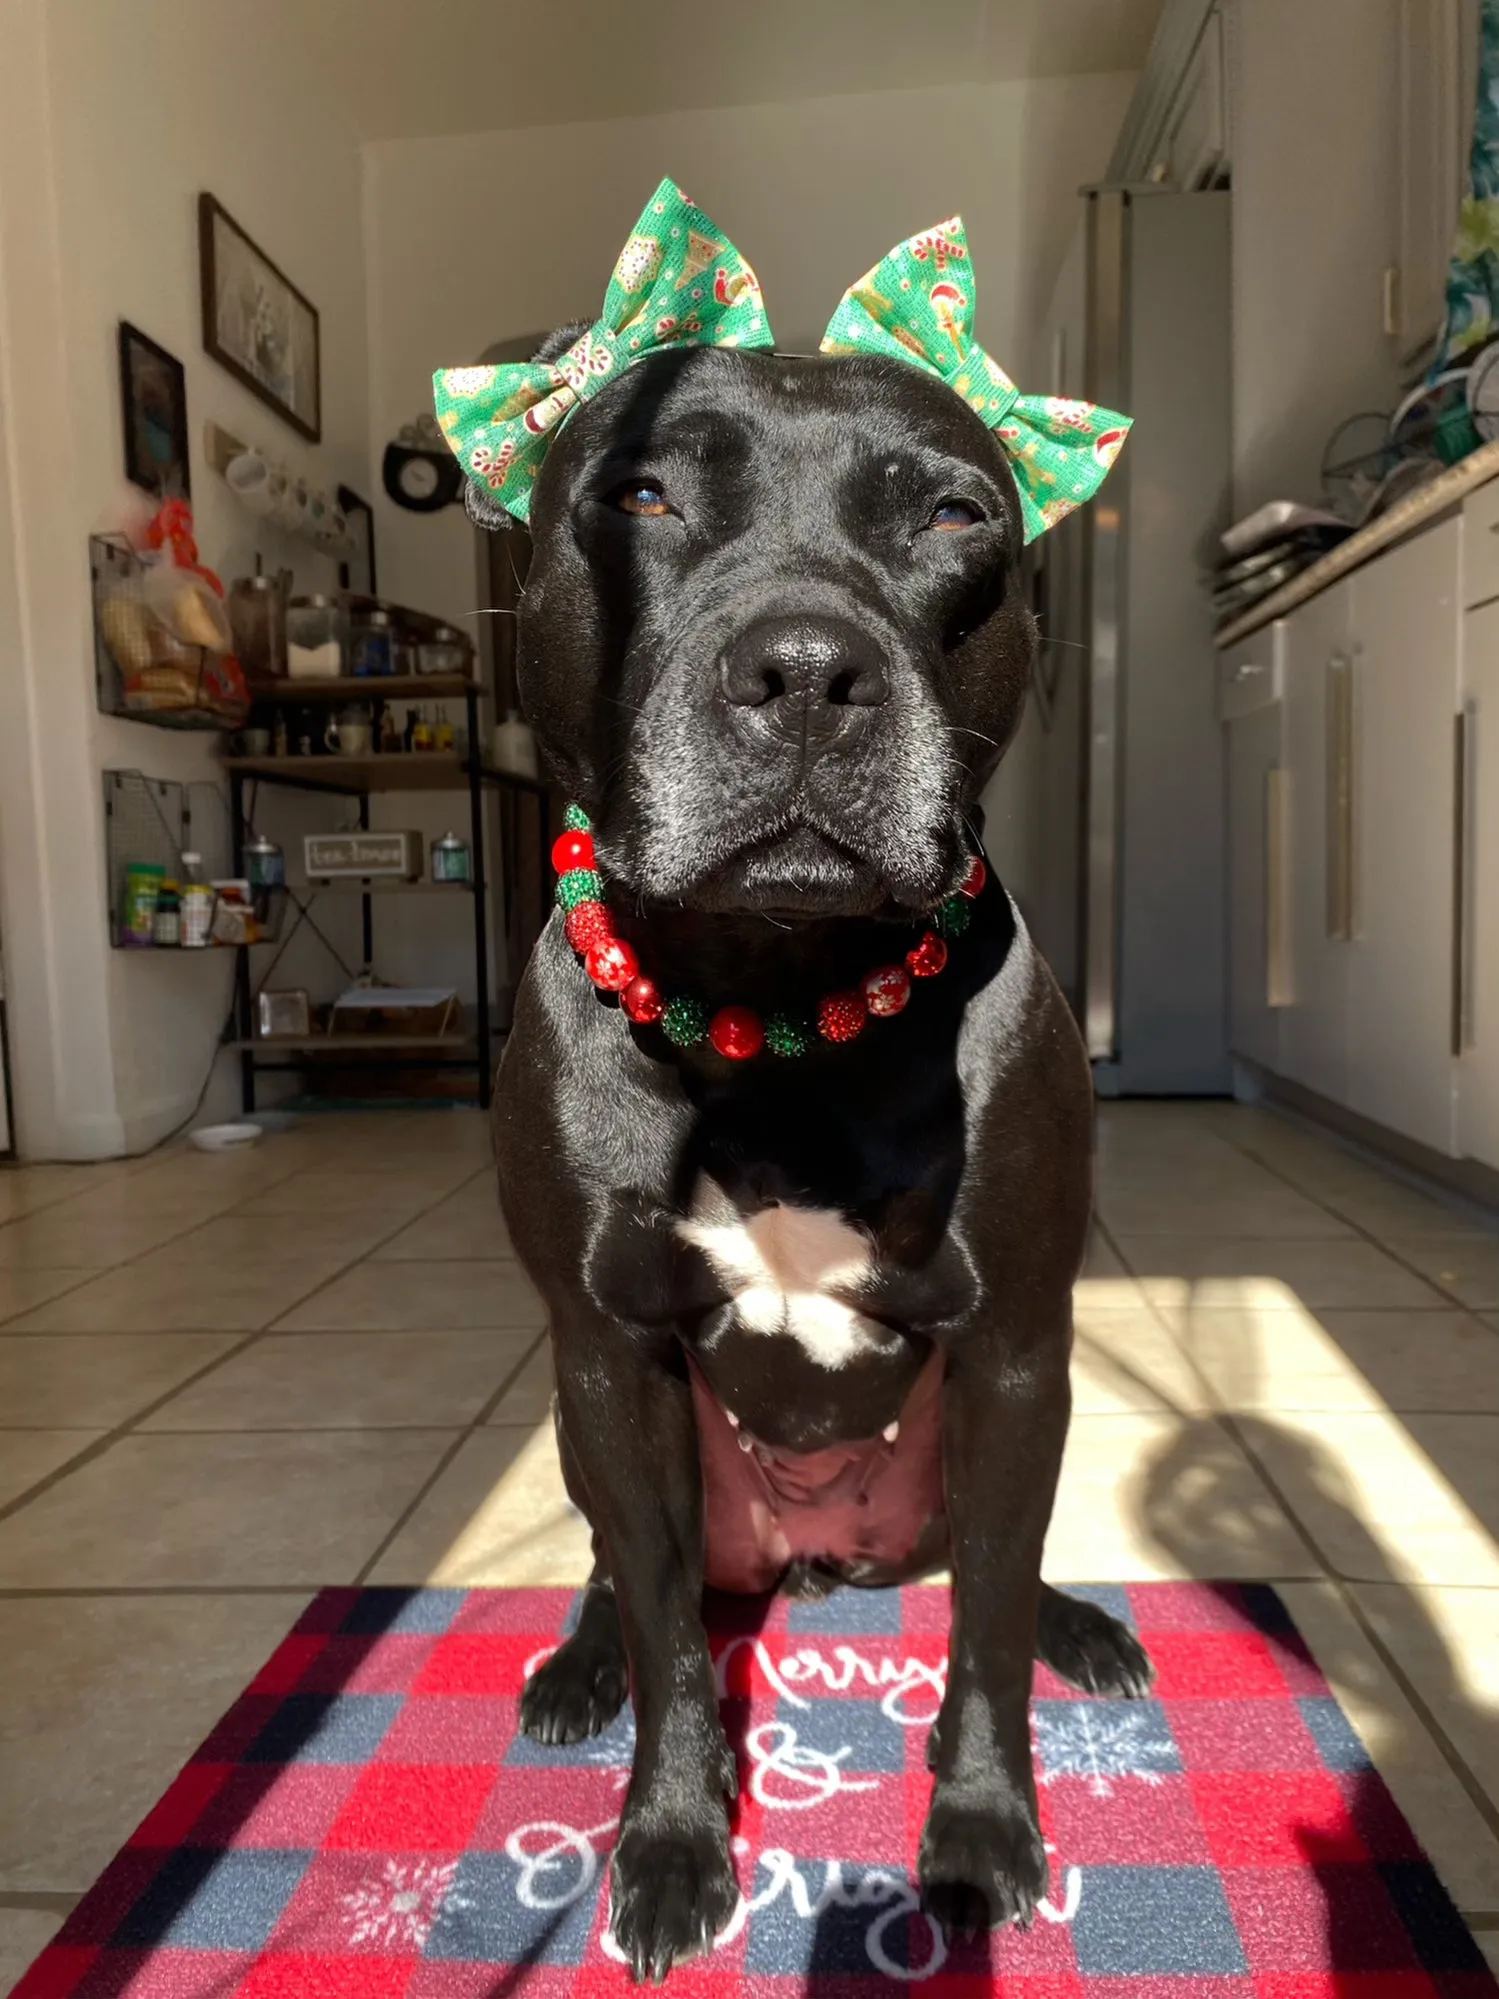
366	1823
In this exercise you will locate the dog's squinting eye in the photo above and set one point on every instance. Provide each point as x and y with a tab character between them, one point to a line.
642	498
954	514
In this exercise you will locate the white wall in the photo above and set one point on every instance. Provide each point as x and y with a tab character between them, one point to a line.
130	112
1315	224
493	235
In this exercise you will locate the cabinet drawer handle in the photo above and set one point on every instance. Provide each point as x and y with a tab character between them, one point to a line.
1464	735
1277	905
1340	913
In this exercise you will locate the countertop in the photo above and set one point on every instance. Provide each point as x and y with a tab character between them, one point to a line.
1405	518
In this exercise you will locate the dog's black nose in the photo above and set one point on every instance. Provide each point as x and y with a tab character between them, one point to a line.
807	671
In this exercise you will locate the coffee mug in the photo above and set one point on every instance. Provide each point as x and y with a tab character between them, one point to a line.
256	742
350	735
290	511
259	486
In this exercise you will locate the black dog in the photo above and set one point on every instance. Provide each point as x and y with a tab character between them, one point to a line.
773	643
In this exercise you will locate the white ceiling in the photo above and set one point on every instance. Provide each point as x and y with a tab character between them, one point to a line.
412	68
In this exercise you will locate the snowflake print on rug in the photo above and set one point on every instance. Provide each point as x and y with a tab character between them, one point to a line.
366	1822
396	1908
1104	1745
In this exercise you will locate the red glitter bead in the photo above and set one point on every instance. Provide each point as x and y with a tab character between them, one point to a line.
611	964
572	850
589	924
886	990
928	958
972	883
643	1000
738	1032
840	1016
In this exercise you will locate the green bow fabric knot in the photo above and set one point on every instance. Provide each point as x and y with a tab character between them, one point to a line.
680	282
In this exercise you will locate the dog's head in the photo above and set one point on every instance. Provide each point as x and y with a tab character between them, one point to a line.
773	637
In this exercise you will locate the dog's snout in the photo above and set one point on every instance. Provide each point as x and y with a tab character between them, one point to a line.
810	669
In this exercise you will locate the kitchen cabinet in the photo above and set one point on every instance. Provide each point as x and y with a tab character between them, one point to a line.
1314	1027
1478	943
1251	704
1404	676
1346	985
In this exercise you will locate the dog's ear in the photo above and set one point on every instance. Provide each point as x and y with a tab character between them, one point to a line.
558	342
480	508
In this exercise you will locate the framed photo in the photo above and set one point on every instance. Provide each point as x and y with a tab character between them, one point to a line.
153	401
256	323
357	573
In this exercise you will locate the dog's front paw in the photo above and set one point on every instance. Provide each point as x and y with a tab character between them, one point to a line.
981	1867
1089	1649
577	1693
673	1890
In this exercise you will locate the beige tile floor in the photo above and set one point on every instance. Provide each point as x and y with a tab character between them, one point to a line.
227	1381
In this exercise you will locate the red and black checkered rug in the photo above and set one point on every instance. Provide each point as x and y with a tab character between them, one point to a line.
366	1822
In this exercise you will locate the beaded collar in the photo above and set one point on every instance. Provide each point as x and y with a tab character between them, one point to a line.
738	1032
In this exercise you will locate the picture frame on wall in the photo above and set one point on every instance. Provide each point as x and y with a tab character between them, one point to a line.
257	324
153	406
357	572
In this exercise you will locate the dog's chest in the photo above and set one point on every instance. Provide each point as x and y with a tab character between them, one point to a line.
789	1272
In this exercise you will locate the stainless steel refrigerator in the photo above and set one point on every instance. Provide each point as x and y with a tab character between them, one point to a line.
1125	788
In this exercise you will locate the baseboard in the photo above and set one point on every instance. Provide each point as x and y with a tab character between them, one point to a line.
1467	1178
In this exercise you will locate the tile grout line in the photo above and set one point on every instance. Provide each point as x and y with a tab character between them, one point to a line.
96	1271
1342	1585
480	1422
1365	1234
38	1901
111	1437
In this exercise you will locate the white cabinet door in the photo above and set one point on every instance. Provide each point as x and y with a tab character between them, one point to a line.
1314	1026
1405	674
1478	1069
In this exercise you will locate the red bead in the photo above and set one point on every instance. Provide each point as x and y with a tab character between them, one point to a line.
840	1016
572	850
928	958
589	924
643	1000
972	883
611	964
886	990
738	1032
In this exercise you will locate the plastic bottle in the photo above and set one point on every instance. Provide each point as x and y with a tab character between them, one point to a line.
197	904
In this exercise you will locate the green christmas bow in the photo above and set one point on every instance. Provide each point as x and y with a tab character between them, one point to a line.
680	282
916	305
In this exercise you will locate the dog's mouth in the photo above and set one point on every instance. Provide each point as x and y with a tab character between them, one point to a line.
796	874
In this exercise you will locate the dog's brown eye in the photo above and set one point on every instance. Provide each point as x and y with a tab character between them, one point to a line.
641	499
954	514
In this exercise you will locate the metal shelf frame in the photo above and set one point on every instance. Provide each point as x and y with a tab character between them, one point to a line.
317	774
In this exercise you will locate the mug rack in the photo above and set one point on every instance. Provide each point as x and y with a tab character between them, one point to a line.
331	533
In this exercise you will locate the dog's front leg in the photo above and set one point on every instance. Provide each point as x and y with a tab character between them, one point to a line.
1004	1423
628	1419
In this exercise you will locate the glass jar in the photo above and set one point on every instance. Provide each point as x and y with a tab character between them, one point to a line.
450	859
443	651
373	653
257	618
317	639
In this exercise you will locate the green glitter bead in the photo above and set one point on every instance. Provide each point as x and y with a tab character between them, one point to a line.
788	1035
954	916
576	820
685	1021
579	885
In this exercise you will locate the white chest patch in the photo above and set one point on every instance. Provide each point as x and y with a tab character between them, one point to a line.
782	1268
